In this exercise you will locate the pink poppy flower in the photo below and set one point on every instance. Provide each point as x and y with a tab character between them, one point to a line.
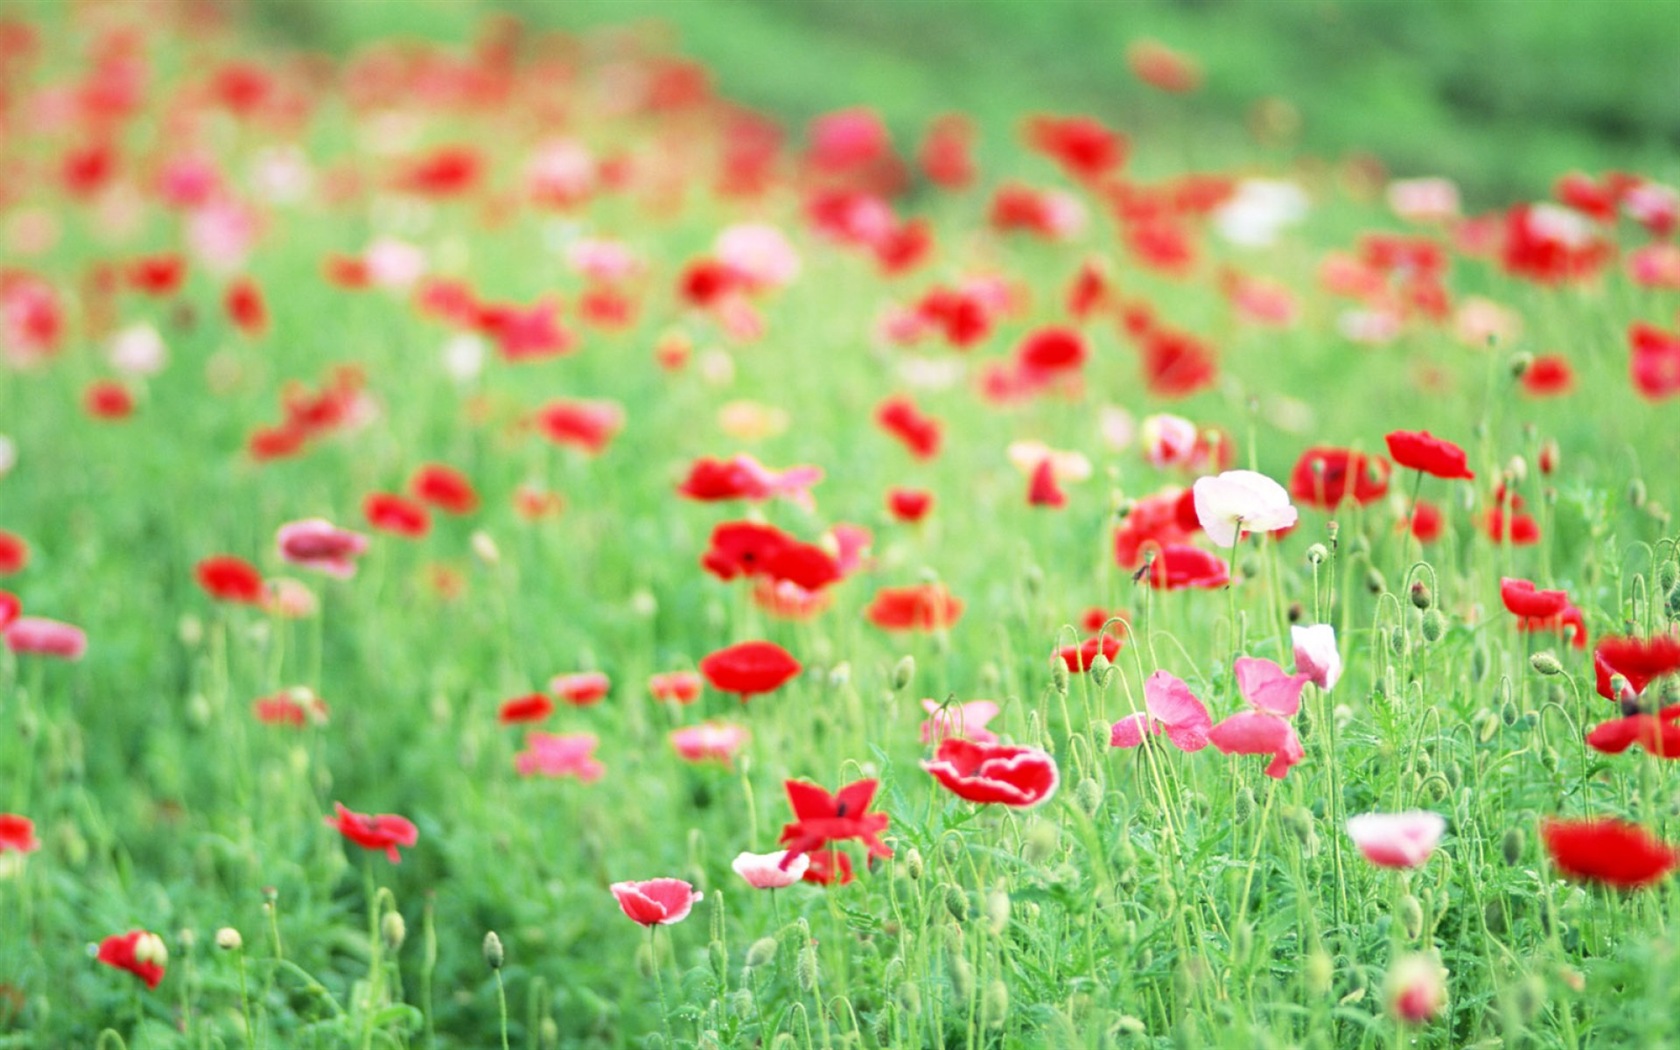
712	741
656	902
1171	707
1316	655
1397	840
1013	776
764	871
560	755
38	636
1417	989
1276	697
679	687
319	544
580	689
966	720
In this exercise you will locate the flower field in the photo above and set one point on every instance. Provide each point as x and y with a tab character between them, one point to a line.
502	545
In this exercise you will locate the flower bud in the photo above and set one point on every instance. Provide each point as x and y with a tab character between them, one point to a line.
1434	625
1410	914
997	911
995	1006
761	953
1089	795
493	954
1318	554
229	940
1520	364
903	672
485	549
806	969
1545	663
393	930
1320	972
1421	598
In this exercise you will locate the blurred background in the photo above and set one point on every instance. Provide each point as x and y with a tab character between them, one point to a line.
1502	95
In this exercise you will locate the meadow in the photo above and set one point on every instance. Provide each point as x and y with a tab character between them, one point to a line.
502	544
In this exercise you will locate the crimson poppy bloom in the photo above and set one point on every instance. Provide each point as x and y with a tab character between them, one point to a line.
1655	362
1176	364
1636	661
919	433
1521	599
680	687
10	609
656	902
1178	566
828	867
1079	658
586	425
447	171
445	488
946	154
316	543
1657	733
140	953
533	707
397	515
909	505
1013	776
1613	852
1425	521
157	275
749	669
1423	452
821	819
1513	526
1548	375
230	579
743	548
1323	477
243	302
1085	149
923	607
108	399
1163	68
17	834
375	831
1042	489
14	553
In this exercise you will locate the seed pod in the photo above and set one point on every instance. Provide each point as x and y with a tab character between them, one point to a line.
997	911
1374	581
1320	971
1242	807
1059	676
229	940
1434	625
956	902
962	976
1041	842
494	956
806	969
1493	916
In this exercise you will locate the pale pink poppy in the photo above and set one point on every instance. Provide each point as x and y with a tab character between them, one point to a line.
759	253
290	599
764	871
1276	697
581	688
1240	501
392	263
138	350
849	544
561	173
316	543
656	902
1316	655
222	234
1417	988
560	755
1170	707
1424	200
1168	441
966	720
711	741
38	636
604	260
1397	840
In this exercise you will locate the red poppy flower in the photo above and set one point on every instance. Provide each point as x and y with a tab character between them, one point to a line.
10	609
749	669
1657	734
1613	852
821	819
1323	477
137	951
828	867
1520	529
904	247
586	425
582	688
230	579
1548	376
394	514
1522	599
533	707
1079	658
1426	522
245	307
1042	488
705	282
805	565
1089	291
157	275
375	831
1012	776
108	399
445	488
1176	364
1423	452
17	834
909	505
447	171
1635	660
946	155
1081	145
923	607
1179	565
1163	68
1569	622
961	317
920	434
1655	363
14	553
1551	245
296	708
743	548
